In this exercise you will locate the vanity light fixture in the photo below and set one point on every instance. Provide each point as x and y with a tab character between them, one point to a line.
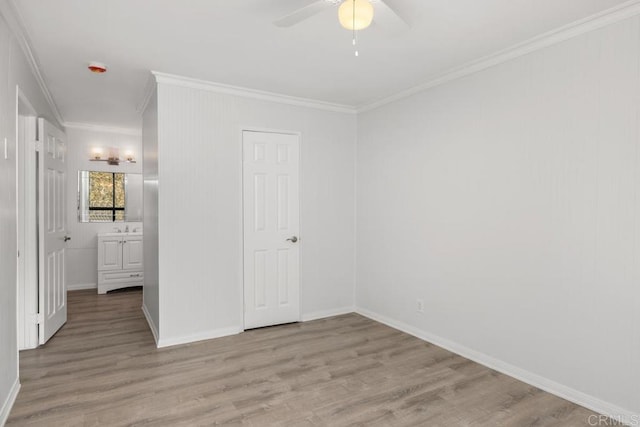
113	158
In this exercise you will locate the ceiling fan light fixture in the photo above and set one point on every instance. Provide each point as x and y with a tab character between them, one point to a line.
355	14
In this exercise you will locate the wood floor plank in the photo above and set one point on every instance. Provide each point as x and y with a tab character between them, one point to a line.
102	369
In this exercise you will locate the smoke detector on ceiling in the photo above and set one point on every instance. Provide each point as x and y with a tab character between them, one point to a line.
97	67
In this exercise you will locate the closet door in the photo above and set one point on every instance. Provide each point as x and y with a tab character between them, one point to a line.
271	227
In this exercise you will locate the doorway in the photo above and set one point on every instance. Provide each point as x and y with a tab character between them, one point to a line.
271	225
41	226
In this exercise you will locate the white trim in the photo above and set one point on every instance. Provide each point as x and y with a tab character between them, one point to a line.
241	216
15	22
81	286
354	291
102	128
201	336
149	90
170	79
9	401
27	265
610	16
323	314
22	97
270	130
152	326
535	380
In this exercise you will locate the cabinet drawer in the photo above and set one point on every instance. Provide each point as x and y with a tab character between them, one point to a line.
120	276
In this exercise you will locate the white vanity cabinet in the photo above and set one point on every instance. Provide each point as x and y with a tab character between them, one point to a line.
119	261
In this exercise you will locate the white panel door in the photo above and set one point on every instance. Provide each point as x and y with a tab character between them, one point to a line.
52	234
132	254
271	227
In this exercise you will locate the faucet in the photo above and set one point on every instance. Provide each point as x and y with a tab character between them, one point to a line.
126	228
117	230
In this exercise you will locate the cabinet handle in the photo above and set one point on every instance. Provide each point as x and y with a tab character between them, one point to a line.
135	275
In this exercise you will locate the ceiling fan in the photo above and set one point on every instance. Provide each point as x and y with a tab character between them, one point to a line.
382	14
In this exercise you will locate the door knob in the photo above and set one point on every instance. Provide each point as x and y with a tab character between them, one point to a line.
67	238
292	239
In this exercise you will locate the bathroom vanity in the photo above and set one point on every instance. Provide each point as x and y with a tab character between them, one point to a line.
119	261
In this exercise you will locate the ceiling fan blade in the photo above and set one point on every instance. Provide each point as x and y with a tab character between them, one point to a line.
302	13
387	17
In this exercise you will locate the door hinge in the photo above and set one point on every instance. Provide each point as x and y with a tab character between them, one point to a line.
38	145
39	318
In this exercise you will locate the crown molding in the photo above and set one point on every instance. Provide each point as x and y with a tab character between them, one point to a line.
102	128
607	17
149	90
618	13
164	78
14	20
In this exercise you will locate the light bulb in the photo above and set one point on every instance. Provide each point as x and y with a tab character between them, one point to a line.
359	20
97	153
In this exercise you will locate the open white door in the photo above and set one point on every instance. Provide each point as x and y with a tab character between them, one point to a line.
52	229
271	226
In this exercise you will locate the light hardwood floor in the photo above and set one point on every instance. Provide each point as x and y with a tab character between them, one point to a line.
102	369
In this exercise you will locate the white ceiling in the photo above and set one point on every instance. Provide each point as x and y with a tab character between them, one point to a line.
234	42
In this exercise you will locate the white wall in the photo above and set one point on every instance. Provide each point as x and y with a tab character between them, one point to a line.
151	296
200	171
14	70
509	201
82	249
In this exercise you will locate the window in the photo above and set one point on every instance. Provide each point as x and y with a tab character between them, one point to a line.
106	196
109	196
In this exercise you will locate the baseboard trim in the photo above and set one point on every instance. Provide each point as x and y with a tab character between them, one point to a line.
208	335
224	332
322	314
9	401
152	326
590	402
82	286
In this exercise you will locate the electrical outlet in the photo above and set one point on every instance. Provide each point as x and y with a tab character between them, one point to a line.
419	306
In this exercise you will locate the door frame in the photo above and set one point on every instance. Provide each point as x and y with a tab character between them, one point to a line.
26	223
241	210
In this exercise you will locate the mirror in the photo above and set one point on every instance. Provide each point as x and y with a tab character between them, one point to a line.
109	196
